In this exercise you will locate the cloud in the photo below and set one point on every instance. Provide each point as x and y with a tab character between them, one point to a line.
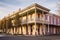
8	6
49	4
52	6
5	9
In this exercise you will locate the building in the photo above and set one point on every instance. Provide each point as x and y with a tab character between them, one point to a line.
33	20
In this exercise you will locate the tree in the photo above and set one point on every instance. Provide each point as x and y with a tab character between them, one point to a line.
3	24
9	23
16	22
16	18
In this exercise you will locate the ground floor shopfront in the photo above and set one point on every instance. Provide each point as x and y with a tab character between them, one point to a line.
38	29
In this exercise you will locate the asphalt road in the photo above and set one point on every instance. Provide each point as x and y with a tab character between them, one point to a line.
18	37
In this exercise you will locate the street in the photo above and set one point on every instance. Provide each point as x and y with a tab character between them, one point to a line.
19	37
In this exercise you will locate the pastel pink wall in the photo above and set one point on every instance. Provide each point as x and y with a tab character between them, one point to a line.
52	20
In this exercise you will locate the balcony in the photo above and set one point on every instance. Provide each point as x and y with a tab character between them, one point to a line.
24	22
41	20
28	21
38	20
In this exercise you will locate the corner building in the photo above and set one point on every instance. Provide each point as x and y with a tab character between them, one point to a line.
34	20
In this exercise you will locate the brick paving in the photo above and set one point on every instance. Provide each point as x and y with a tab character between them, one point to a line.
15	37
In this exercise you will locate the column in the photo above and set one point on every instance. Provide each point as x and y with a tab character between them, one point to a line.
37	30
34	26
44	30
48	29
48	26
24	30
43	21
27	23
33	30
41	29
29	30
11	31
7	31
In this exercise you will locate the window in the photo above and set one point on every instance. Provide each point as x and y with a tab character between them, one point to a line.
54	20
31	16
42	17
47	17
50	19
58	20
38	15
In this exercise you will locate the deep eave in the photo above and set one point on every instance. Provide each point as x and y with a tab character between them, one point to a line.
35	5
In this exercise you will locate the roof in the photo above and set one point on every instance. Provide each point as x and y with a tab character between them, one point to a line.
54	15
37	5
33	5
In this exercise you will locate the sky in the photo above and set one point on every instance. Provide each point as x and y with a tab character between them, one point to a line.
8	6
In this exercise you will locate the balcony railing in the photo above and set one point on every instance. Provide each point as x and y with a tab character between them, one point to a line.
42	20
39	20
24	21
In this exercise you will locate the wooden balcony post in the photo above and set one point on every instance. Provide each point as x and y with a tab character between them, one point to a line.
27	24
43	23
29	30
21	27
35	20
48	25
